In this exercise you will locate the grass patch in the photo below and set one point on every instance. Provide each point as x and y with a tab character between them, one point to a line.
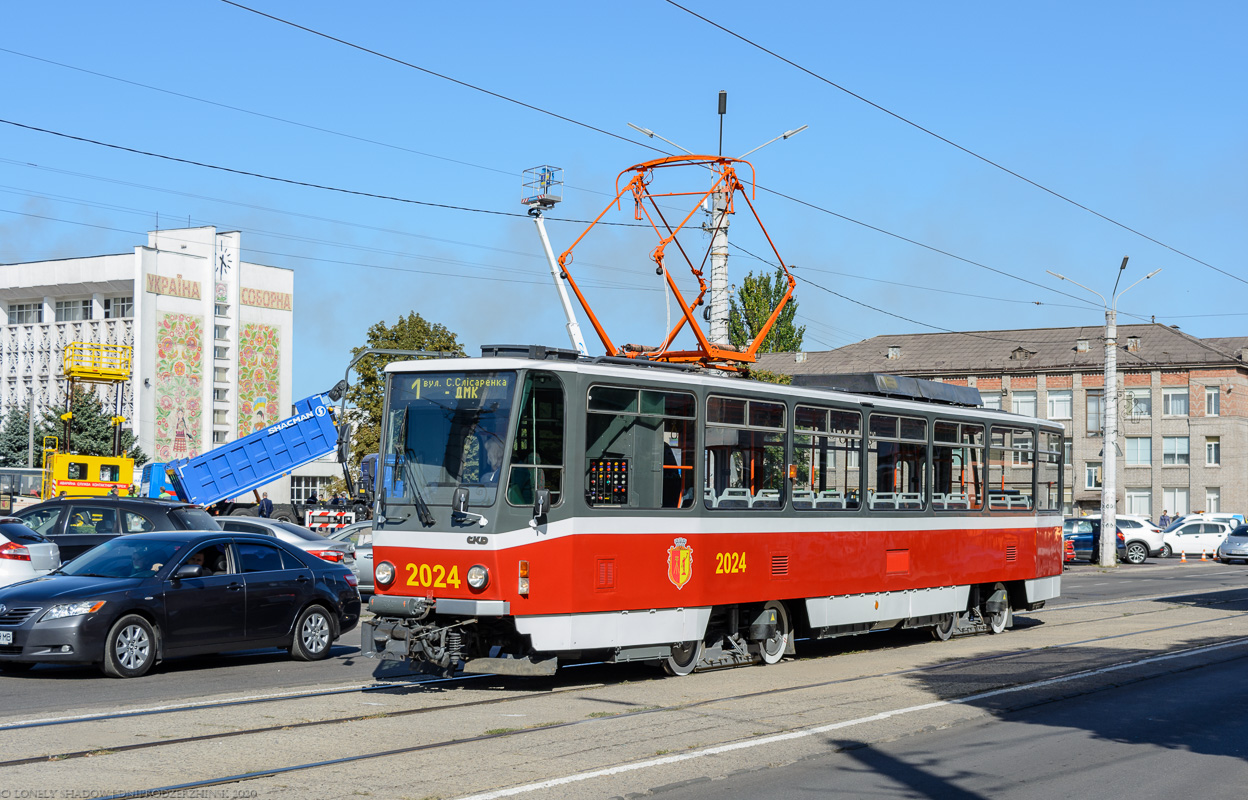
500	731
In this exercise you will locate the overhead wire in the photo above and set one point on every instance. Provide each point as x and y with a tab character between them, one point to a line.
947	141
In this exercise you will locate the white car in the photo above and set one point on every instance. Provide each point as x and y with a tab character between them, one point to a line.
1141	534
1195	537
24	554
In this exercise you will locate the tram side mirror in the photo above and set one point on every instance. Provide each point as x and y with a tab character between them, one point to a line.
344	442
541	503
459	503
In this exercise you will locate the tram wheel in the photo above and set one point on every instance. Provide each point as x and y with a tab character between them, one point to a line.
773	648
684	659
943	631
1000	620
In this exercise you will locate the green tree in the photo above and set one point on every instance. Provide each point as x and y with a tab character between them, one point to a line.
91	429
759	295
366	394
15	438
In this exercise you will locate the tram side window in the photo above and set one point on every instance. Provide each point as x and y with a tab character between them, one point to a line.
1011	469
828	450
957	466
745	453
1049	472
537	453
897	463
639	448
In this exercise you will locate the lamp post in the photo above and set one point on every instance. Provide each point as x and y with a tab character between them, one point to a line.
1109	464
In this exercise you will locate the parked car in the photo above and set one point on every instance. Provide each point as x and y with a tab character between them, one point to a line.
1230	519
1195	536
1235	546
1084	535
76	524
24	553
135	600
360	534
1143	538
290	533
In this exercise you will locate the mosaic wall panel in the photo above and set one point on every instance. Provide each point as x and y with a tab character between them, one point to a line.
259	373
179	386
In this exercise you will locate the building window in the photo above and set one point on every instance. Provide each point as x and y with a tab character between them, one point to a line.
118	307
1174	450
1140	403
220	352
894	352
1068	452
1023	403
1081	345
220	332
1096	412
1213	401
1175	500
990	399
1174	402
1140	502
25	313
220	416
73	310
221	310
220	374
221	395
1139	451
220	437
1213	499
1213	450
1060	404
1092	475
302	486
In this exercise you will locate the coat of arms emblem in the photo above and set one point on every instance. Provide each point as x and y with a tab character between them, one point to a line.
680	562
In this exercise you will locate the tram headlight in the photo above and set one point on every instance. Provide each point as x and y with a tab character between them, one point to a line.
478	576
384	573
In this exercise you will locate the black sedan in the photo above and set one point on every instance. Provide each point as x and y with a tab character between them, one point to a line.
137	599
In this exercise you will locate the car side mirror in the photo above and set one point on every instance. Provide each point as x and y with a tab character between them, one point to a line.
541	503
188	571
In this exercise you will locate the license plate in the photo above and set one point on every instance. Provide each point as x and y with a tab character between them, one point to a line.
6	637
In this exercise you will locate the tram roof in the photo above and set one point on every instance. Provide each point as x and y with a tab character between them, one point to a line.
566	361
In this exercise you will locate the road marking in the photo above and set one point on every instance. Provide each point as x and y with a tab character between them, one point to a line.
808	732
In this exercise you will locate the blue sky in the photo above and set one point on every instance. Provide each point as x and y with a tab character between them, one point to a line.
1133	110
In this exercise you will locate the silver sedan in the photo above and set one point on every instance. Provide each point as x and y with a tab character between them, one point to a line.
360	534
299	536
1235	546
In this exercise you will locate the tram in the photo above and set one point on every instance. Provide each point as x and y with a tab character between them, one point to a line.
547	507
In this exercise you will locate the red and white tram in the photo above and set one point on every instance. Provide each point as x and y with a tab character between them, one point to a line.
536	507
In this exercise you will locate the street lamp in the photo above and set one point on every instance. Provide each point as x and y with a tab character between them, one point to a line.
1109	466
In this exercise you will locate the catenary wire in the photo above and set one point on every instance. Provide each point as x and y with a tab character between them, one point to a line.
951	143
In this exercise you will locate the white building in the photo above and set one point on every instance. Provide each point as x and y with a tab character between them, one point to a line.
212	337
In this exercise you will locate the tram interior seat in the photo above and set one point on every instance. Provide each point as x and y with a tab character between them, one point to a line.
710	497
803	498
830	498
735	497
884	500
910	500
953	500
766	498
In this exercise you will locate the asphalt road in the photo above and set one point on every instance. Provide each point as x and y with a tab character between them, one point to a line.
1174	736
78	689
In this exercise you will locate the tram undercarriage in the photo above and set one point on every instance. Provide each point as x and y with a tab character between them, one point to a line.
737	635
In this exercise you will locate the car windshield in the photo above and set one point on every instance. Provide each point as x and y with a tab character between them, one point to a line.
446	430
1242	530
124	557
195	519
40	519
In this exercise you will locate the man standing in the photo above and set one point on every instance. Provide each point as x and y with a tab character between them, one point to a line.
266	506
1164	522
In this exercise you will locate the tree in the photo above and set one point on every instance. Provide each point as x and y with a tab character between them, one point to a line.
91	429
15	438
367	393
759	296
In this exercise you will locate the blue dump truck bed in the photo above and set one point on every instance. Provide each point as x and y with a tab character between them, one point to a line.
232	469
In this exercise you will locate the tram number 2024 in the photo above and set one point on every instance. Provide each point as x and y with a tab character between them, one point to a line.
432	576
729	563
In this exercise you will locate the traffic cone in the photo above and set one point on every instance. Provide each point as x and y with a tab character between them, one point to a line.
1202	555
1183	558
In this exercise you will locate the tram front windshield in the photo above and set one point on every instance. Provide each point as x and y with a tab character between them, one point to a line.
446	430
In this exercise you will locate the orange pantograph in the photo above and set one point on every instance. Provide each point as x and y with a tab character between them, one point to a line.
647	209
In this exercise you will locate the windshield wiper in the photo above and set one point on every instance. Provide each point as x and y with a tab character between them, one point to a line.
422	508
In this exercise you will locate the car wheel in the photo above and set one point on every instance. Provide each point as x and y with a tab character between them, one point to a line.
130	649
1167	551
1136	553
314	633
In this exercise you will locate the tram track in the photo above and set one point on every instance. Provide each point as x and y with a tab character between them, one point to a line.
932	668
1234	643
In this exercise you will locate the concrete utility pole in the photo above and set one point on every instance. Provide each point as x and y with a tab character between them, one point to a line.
1107	557
30	434
718	226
